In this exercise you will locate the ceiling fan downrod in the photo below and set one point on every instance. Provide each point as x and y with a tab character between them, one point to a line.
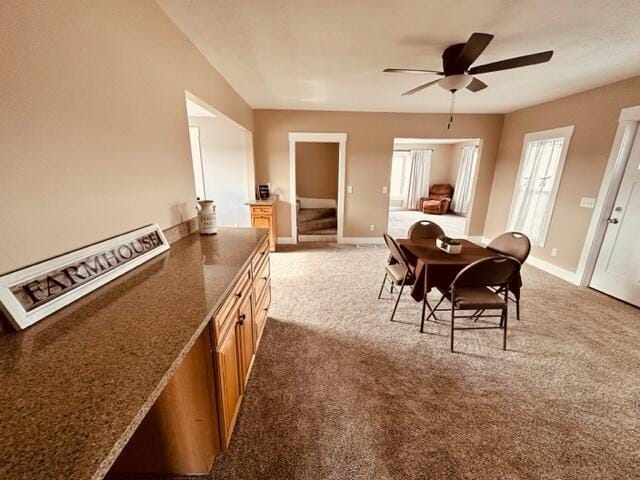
453	103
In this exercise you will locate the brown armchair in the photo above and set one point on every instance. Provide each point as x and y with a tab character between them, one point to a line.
439	199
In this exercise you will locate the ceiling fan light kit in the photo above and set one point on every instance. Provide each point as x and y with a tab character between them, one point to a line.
455	82
458	73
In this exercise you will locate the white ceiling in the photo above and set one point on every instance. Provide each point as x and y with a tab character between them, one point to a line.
329	54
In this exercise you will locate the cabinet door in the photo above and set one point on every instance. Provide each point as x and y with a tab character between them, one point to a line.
229	381
261	221
245	337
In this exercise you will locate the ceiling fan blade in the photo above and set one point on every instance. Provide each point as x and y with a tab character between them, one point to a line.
515	62
476	85
410	70
420	87
472	49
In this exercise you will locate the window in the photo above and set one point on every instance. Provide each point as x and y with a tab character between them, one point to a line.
400	165
537	182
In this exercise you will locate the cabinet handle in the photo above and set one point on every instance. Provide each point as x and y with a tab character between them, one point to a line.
264	278
241	319
239	294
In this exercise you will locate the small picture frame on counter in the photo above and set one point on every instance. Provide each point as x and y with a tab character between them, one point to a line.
263	191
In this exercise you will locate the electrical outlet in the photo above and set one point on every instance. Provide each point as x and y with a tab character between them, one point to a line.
384	190
587	202
349	188
554	252
372	227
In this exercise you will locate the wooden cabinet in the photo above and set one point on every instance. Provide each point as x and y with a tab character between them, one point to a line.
245	338
193	419
263	215
180	434
229	382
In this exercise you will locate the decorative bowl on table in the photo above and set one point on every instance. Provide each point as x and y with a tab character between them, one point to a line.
448	245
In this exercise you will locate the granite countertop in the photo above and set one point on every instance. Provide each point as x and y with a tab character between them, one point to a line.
75	386
267	201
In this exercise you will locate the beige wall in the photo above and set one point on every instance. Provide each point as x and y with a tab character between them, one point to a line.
440	160
440	164
93	127
317	170
595	116
368	158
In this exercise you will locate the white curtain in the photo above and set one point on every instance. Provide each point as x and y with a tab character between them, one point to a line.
464	181
418	178
532	201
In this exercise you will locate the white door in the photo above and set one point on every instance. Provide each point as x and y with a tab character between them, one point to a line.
617	271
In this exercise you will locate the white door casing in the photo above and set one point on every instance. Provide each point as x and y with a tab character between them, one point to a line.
617	270
341	140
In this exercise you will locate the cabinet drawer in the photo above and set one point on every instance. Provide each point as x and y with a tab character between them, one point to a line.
260	256
261	211
225	316
261	278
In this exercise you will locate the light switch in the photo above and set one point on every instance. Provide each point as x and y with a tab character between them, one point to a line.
587	202
384	190
349	188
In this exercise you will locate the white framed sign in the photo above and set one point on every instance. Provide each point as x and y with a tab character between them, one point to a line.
30	294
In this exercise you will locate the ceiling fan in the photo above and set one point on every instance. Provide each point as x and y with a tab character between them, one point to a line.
458	72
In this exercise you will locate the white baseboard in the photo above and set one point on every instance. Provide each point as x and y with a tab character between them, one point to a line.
567	275
316	238
362	240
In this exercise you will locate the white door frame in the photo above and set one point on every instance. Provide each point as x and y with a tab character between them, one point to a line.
341	140
628	122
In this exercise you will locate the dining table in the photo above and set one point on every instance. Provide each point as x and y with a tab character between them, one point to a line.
434	268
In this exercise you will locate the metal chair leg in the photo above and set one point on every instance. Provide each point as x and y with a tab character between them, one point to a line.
391	289
506	315
432	312
382	287
453	319
424	305
504	326
398	299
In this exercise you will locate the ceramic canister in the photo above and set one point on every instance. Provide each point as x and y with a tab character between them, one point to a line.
207	217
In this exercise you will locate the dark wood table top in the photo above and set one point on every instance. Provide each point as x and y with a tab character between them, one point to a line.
426	250
434	268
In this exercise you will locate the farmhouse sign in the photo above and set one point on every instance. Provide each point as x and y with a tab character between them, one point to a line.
30	294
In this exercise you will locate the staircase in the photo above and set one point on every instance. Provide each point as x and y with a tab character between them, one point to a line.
317	221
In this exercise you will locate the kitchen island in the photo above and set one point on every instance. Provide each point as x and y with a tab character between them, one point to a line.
77	386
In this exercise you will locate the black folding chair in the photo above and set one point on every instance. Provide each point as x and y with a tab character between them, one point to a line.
473	289
516	245
425	229
399	273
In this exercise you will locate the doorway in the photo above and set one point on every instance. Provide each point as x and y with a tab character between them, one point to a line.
432	179
317	191
617	268
317	185
222	158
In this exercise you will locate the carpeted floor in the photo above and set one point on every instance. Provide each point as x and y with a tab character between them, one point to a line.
339	392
